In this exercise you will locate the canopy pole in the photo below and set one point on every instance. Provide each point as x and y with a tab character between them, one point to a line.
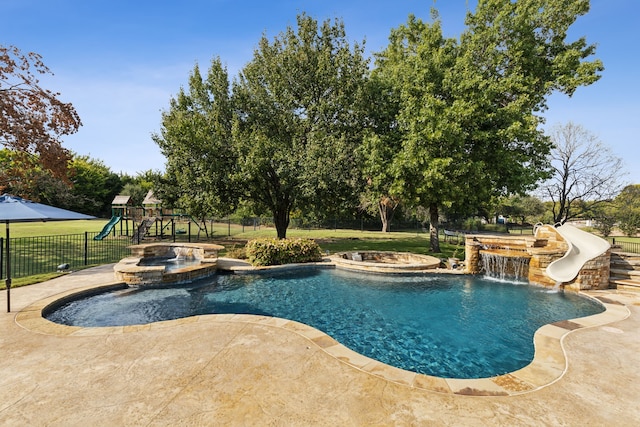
8	281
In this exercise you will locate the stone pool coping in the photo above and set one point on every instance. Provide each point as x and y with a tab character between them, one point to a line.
549	364
401	262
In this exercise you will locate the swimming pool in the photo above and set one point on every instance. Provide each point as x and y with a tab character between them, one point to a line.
170	264
441	325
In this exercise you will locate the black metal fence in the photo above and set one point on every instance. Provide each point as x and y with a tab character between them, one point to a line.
43	254
230	226
625	246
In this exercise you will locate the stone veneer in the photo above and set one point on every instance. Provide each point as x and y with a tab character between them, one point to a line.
545	247
385	261
130	272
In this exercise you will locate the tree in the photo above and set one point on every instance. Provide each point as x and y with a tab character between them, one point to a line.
469	109
628	209
423	161
382	140
23	175
137	187
605	218
33	119
525	208
196	139
94	186
88	187
585	173
300	111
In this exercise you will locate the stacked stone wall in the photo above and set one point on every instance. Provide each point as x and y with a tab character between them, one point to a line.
543	248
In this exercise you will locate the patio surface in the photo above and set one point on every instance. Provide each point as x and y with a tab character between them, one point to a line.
244	370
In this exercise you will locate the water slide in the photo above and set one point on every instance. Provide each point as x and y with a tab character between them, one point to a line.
108	227
583	247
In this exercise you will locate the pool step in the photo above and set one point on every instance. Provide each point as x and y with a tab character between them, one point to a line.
626	285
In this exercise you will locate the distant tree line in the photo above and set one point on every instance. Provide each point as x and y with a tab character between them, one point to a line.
87	186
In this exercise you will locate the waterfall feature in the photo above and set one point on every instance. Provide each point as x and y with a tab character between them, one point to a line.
505	264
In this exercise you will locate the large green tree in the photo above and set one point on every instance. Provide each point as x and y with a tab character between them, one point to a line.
382	141
470	108
94	186
628	209
300	119
196	139
283	139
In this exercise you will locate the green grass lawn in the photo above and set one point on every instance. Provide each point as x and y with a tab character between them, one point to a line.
54	228
625	239
350	240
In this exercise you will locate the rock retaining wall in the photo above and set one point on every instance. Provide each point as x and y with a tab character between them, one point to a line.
130	272
545	247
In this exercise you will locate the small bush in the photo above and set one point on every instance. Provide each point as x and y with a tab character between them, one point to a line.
237	253
287	251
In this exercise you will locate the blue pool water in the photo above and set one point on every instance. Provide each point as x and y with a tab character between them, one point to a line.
170	264
447	326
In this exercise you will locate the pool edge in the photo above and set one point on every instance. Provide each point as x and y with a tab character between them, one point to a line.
549	364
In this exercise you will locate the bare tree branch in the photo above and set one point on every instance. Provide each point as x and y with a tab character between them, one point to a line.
585	172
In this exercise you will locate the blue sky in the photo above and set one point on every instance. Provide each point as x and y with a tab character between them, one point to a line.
120	61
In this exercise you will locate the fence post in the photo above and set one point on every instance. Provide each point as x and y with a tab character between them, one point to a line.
1	257
229	226
86	248
189	230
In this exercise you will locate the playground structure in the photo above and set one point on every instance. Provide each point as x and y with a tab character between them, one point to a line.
150	220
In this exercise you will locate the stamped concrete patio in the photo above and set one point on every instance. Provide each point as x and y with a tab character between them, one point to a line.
228	370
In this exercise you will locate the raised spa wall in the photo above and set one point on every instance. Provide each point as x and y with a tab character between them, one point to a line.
542	249
385	261
130	272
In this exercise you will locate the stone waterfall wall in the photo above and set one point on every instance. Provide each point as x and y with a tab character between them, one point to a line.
544	248
547	247
476	243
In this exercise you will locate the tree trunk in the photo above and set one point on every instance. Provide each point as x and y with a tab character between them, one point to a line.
434	240
387	208
281	220
385	221
206	230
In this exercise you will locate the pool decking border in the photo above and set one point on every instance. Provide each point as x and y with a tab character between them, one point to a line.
548	365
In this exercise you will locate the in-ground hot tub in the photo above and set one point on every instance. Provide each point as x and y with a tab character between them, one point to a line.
385	261
167	263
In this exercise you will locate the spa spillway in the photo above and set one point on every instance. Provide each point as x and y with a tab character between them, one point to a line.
167	263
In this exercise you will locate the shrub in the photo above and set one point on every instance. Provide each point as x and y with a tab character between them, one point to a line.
286	251
236	252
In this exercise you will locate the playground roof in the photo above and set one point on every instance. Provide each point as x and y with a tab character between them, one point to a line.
121	200
150	199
